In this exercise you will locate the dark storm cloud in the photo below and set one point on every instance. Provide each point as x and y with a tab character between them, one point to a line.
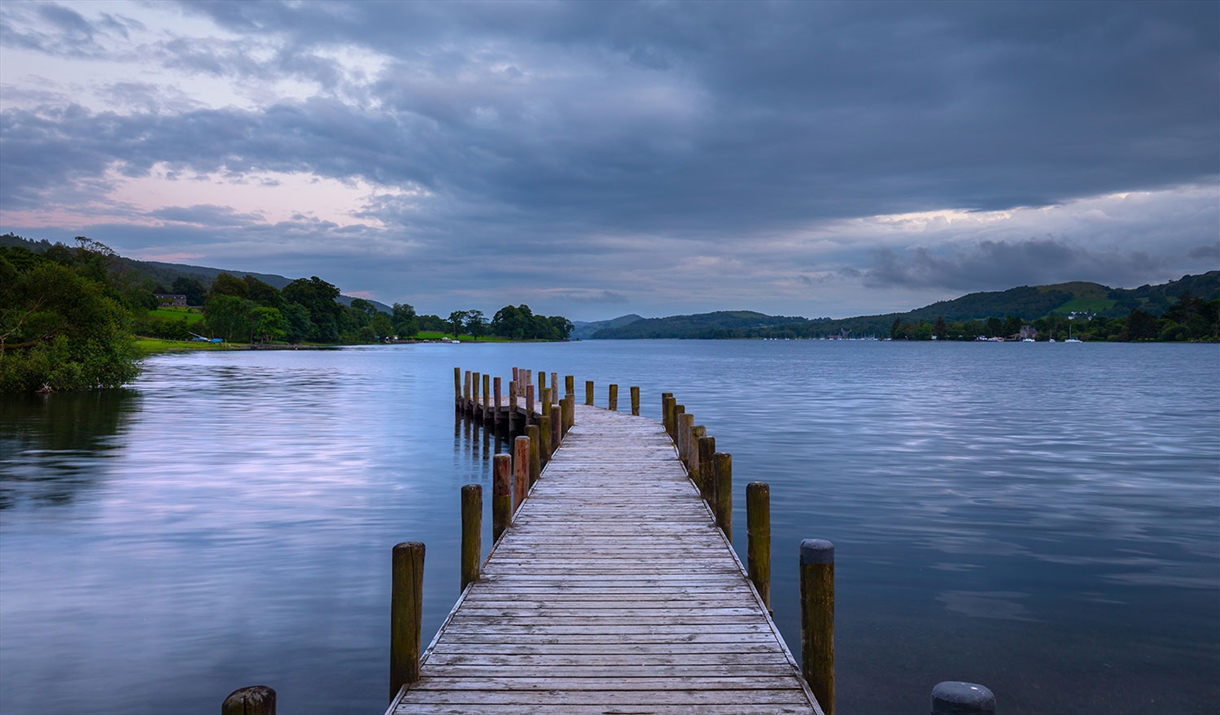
1000	263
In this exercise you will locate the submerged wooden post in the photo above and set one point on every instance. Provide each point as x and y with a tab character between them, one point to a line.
635	400
818	620
614	398
252	700
589	392
406	614
474	392
569	385
544	438
457	386
954	697
535	451
472	533
758	529
521	471
501	495
496	406
723	465
707	473
466	390
486	393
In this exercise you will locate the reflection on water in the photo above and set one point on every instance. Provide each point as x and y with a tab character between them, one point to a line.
50	445
1044	519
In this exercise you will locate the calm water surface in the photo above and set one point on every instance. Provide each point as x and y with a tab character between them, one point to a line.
1043	519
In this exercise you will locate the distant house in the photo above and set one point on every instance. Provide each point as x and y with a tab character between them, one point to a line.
171	299
1028	331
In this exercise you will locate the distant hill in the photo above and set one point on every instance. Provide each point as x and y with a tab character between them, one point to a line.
584	330
165	273
1026	302
701	325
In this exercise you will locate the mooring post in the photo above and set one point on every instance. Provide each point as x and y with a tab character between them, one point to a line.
496	407
474	392
589	392
675	422
535	453
529	404
556	428
541	383
252	700
758	529
406	614
666	399
544	439
555	386
635	400
466	391
569	385
546	401
818	620
723	464
512	404
486	393
472	533
613	398
569	414
521	471
697	433
501	495
457	387
954	697
684	445
707	469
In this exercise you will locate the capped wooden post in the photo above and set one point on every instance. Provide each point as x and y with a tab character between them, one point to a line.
501	494
758	529
555	387
496	407
457	386
486	393
818	620
466	390
556	428
535	453
635	400
614	398
676	421
707	469
406	614
589	392
253	700
544	438
472	532
723	465
569	414
521	471
512	405
684	445
666	399
474	392
546	400
516	374
569	385
529	404
541	382
954	697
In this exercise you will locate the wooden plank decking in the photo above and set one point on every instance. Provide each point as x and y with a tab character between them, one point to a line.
612	592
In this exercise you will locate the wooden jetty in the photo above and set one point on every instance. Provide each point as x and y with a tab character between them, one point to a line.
614	590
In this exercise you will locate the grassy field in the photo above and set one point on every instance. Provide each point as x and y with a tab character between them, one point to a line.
433	335
1078	305
148	346
169	313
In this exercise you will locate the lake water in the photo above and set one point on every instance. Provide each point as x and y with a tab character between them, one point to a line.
1043	519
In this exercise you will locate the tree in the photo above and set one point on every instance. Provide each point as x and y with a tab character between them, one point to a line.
476	324
191	288
995	327
456	319
1142	326
402	317
262	293
268	323
895	327
318	297
562	326
228	315
299	326
1012	325
226	284
939	329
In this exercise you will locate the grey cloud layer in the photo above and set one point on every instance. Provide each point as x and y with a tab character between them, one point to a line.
712	121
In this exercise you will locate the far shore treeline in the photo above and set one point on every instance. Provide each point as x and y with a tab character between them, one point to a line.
70	317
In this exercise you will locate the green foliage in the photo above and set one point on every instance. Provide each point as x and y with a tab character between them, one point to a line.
404	321
318	298
520	323
190	287
63	324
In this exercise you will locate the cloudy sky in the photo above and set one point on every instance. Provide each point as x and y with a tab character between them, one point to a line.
596	159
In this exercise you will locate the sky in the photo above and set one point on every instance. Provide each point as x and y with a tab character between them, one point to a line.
597	159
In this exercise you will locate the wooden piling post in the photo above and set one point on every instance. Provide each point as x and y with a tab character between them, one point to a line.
472	532
614	398
466	391
684	435
521	471
569	385
666	399
501	495
512	404
569	414
818	620
496	407
486	393
555	387
556	428
541	382
723	466
635	400
697	433
457	387
529	404
589	392
544	439
252	700
474	392
406	614
758	529
516	374
535	453
954	697
707	469
675	421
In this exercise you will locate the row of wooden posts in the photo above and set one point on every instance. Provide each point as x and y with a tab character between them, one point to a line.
513	475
